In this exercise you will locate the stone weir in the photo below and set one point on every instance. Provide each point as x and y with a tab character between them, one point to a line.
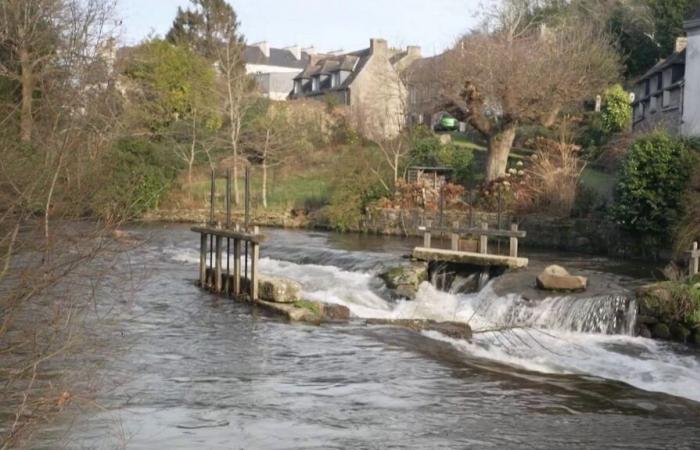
277	295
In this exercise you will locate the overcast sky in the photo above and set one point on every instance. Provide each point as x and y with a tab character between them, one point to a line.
326	24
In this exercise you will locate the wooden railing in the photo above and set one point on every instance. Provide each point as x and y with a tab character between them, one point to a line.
482	232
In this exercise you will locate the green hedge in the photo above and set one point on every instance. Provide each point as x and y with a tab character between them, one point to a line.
653	177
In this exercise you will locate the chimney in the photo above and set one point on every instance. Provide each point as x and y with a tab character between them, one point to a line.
309	50
264	47
681	44
295	50
378	47
413	51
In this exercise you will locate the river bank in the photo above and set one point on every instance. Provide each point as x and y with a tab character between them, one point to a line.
579	235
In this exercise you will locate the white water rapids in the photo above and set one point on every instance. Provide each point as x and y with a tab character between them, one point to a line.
559	335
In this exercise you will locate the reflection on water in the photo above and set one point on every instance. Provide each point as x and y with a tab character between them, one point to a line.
190	370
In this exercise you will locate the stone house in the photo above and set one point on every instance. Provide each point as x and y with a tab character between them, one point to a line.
368	81
274	69
668	95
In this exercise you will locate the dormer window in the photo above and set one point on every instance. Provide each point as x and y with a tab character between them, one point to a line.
315	82
335	79
297	86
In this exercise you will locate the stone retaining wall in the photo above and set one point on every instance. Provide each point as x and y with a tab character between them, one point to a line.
564	234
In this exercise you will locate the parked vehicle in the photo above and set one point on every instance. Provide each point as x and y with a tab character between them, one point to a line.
446	123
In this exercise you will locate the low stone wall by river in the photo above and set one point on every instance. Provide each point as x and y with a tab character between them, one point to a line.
564	234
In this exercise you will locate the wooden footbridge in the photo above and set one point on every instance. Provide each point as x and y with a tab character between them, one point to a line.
480	256
237	240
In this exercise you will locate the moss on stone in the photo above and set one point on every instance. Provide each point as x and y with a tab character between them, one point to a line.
661	331
308	305
671	301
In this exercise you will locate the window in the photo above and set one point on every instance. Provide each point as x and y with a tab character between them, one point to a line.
314	83
297	87
335	80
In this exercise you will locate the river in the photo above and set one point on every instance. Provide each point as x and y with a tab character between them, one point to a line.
189	370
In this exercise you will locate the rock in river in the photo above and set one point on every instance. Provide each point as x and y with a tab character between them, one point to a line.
557	278
405	280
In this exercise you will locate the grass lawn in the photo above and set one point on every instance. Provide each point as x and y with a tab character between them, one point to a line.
284	191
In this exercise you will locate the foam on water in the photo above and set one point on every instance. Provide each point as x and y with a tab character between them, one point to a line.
559	335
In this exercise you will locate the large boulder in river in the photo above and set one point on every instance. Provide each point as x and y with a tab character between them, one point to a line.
279	290
405	280
557	278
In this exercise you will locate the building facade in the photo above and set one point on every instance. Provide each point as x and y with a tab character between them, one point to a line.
368	81
668	95
691	109
274	69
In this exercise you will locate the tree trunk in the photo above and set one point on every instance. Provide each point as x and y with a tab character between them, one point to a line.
499	149
27	79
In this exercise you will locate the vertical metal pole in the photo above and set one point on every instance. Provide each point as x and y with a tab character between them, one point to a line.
212	198
500	211
255	256
236	266
471	208
211	216
227	285
442	203
247	217
217	268
247	199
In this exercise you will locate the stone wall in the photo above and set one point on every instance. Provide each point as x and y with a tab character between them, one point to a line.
563	234
406	222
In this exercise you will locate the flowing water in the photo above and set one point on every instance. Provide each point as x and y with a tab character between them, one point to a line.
190	370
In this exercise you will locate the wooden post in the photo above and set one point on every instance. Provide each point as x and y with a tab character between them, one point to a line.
254	266
514	241
203	260
237	265
693	263
483	239
455	236
217	270
426	235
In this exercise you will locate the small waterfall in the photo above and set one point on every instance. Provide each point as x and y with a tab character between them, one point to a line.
607	314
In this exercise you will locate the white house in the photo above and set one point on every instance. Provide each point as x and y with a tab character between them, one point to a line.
691	102
275	68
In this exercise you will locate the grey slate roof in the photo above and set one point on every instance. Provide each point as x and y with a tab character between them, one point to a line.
674	59
278	57
327	64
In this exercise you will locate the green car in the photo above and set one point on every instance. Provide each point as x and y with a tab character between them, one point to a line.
447	123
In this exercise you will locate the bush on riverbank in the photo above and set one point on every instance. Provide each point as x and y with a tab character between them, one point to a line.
671	310
140	173
653	178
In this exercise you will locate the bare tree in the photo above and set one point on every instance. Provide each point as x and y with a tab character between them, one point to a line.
238	90
57	54
517	71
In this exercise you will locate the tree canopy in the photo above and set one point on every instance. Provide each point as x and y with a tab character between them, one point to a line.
205	27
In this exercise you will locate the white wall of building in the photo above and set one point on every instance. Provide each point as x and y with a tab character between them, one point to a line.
691	98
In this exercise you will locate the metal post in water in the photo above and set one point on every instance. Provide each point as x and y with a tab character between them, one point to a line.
247	216
247	198
212	198
227	286
442	203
